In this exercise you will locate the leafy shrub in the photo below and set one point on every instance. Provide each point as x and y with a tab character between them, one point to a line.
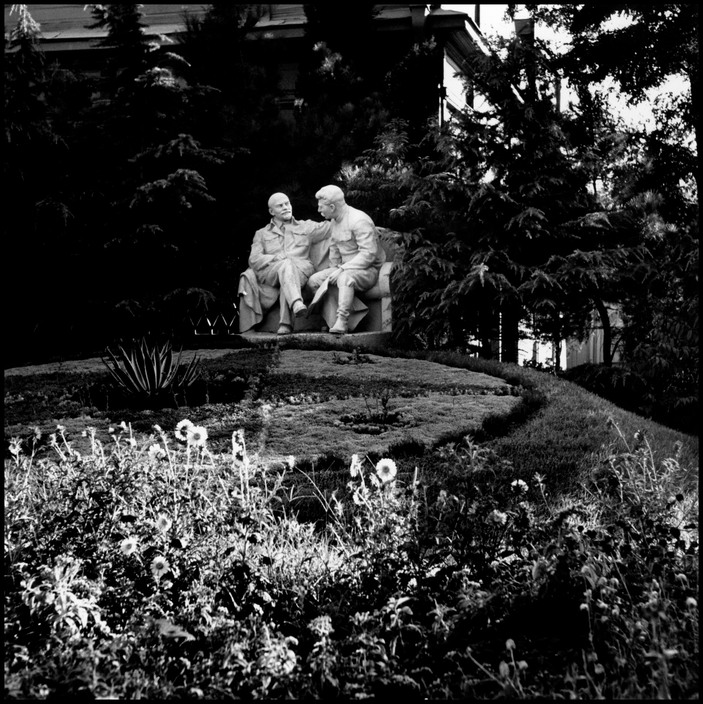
147	369
630	389
616	383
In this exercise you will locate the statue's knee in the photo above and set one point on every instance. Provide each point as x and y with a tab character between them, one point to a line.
345	279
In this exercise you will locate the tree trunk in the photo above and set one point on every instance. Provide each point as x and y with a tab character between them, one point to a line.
510	320
694	77
556	355
607	332
488	333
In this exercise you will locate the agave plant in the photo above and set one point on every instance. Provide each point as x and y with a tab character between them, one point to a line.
149	368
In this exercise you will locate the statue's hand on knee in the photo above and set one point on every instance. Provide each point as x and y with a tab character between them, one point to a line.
332	278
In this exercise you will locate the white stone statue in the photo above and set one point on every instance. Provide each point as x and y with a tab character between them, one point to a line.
280	260
356	255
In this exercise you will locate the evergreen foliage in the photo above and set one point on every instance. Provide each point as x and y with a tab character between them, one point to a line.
500	196
649	177
134	194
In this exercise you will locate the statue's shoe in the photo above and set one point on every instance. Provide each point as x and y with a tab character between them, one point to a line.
284	329
299	309
339	328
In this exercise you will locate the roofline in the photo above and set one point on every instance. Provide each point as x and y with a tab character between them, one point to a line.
449	21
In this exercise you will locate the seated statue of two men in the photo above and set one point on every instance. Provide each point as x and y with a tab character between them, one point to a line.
281	262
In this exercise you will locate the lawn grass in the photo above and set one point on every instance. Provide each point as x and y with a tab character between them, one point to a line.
556	429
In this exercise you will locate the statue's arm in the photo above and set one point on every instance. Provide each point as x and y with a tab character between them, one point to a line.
334	256
318	231
258	259
367	242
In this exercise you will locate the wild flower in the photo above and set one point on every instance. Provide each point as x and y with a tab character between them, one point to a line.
290	461
14	446
185	424
338	506
238	444
360	495
128	546
276	658
497	517
321	626
355	468
519	485
159	567
386	470
156	452
163	523
196	435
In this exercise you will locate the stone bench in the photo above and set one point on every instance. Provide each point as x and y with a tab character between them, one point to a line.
374	309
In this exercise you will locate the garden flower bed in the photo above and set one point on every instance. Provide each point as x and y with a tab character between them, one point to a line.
170	561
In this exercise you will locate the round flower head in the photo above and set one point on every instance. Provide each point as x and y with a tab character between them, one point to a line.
159	567
163	523
196	435
182	425
386	470
156	452
497	517
519	485
128	546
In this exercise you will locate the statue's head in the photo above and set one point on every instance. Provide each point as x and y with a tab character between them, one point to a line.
280	207
330	200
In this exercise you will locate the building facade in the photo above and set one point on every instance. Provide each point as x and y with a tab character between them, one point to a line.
66	37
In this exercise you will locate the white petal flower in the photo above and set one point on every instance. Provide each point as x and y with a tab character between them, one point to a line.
519	485
128	546
196	435
159	567
386	470
185	424
156	452
163	523
498	517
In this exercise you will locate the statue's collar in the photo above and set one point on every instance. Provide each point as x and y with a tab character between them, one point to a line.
272	225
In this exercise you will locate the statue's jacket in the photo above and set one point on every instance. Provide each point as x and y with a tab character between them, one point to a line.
271	244
354	242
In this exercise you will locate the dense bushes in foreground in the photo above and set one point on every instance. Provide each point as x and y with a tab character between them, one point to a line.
155	569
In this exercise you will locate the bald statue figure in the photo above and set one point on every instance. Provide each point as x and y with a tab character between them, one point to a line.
280	256
356	254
